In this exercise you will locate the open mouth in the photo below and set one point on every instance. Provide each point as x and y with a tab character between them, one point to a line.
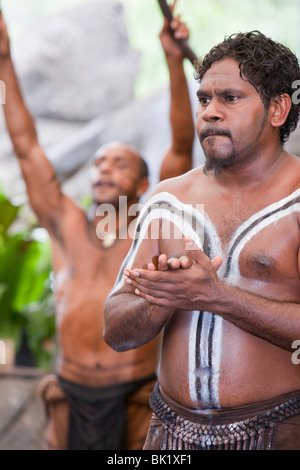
104	184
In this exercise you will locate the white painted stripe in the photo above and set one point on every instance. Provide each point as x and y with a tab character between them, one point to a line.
204	358
235	271
262	213
192	368
216	360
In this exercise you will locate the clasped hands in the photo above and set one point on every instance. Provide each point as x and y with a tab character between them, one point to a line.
189	282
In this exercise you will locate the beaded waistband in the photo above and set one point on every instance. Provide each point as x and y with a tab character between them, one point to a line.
254	433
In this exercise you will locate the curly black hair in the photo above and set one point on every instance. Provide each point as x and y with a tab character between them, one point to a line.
269	66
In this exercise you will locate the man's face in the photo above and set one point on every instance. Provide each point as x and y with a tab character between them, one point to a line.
231	120
115	173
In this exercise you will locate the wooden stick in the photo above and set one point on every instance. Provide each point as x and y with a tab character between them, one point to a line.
182	43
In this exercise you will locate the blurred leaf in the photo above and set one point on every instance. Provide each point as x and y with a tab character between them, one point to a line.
8	213
26	298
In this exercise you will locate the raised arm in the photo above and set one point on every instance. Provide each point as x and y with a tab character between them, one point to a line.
178	158
43	188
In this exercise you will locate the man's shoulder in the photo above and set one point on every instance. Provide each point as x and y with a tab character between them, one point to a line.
292	169
179	184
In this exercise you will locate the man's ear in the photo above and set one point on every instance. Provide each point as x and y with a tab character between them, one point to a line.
143	185
279	109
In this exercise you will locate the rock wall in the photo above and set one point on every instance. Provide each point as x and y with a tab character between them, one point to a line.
78	64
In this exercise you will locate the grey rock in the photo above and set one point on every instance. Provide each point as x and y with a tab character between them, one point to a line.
142	123
79	63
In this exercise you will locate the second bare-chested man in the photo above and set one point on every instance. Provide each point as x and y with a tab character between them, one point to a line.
97	399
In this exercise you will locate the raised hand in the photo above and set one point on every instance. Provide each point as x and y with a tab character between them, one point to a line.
180	31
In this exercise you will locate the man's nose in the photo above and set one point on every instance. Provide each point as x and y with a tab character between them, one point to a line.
105	167
213	111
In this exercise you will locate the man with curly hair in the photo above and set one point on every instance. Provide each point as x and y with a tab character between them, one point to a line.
226	292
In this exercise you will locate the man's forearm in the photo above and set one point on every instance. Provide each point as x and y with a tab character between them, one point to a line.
19	122
275	321
130	321
181	115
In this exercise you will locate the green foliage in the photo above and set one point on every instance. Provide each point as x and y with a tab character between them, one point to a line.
209	21
26	299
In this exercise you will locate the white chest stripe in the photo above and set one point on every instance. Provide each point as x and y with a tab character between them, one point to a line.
234	271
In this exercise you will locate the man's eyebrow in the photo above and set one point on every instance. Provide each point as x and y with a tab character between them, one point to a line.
228	91
121	157
221	92
115	158
202	92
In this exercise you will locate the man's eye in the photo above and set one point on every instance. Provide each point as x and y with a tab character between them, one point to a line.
203	100
231	98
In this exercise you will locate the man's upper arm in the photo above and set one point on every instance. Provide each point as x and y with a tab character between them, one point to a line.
144	249
175	164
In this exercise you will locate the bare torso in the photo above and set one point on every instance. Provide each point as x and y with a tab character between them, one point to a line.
257	234
84	275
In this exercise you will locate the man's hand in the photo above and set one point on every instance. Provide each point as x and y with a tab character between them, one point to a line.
4	40
179	30
194	287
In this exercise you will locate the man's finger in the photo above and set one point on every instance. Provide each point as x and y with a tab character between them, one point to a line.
217	262
190	244
194	251
174	263
151	267
153	300
163	263
186	261
199	257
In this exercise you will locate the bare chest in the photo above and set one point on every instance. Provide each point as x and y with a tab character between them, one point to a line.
86	267
258	239
257	242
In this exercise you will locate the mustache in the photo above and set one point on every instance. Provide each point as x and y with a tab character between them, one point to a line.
211	131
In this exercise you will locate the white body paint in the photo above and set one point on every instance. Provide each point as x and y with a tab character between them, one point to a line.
205	350
278	214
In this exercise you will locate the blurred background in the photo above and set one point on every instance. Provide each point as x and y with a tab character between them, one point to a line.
92	71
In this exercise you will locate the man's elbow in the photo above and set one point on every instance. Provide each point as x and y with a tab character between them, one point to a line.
116	333
117	344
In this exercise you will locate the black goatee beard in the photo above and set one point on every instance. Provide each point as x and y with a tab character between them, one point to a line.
216	166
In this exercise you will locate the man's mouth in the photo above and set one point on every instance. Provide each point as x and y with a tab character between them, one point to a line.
105	184
213	133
